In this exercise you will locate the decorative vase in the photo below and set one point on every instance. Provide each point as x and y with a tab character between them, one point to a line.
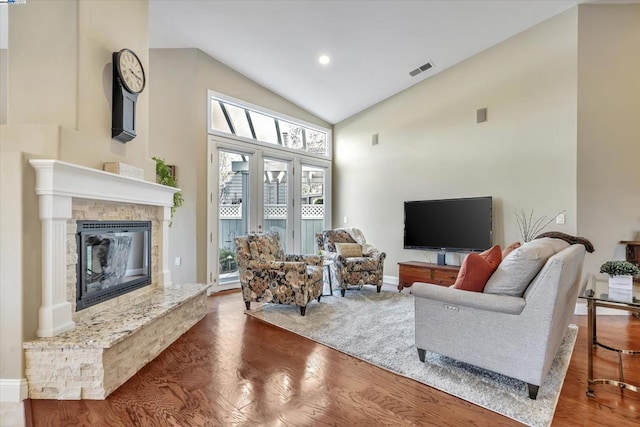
623	282
621	288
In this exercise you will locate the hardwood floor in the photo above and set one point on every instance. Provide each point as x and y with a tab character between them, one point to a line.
231	369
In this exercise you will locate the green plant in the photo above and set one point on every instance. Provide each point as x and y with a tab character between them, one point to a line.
165	176
619	268
227	258
224	254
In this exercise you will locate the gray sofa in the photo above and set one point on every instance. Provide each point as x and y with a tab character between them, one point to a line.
515	335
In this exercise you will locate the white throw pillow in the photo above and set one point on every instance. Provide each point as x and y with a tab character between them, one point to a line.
349	250
515	272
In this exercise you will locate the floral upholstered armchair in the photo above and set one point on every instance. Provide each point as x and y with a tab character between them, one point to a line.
268	275
355	263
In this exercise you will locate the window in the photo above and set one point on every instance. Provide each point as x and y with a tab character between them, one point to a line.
233	117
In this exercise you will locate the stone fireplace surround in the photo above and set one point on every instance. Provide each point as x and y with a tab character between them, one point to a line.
88	354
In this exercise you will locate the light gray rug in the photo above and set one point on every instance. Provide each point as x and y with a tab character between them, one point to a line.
379	329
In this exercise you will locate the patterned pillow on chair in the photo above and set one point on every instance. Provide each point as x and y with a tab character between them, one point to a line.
336	236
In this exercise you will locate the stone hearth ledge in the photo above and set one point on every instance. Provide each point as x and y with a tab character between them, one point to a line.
108	347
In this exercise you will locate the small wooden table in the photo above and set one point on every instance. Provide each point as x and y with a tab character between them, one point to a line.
418	271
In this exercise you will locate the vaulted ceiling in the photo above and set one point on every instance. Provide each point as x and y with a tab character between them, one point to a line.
372	45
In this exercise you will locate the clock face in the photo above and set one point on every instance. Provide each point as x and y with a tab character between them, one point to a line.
130	71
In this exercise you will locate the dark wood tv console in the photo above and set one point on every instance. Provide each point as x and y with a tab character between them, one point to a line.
417	271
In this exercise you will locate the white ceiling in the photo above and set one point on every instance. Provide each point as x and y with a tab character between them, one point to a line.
372	44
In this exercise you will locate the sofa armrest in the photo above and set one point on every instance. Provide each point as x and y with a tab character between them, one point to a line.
490	302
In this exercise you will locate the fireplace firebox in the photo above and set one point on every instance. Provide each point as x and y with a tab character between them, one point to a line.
114	258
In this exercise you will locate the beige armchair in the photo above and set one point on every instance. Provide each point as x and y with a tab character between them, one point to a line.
268	275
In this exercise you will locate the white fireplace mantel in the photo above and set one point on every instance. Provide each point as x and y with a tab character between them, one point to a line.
57	184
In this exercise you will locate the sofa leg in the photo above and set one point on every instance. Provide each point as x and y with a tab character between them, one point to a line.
303	310
421	354
248	305
379	287
533	391
342	291
319	296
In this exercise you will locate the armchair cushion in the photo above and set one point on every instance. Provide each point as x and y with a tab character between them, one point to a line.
349	250
477	268
309	259
514	273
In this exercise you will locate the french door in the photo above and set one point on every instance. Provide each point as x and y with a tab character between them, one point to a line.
277	204
234	196
254	189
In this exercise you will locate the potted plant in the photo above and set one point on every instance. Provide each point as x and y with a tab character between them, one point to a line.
165	176
620	273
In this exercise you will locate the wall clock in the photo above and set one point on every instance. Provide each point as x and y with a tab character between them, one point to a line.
128	81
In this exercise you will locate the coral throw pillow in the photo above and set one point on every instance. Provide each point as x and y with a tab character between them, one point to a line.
476	269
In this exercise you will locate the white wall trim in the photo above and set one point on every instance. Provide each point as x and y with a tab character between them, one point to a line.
391	280
13	390
57	178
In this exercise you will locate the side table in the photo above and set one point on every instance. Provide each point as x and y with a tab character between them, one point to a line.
596	291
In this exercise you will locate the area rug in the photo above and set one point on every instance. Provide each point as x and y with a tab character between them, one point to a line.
379	329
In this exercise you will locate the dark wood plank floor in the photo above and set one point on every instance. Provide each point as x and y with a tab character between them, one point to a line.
231	369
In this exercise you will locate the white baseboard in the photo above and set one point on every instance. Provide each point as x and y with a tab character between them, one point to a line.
13	390
391	280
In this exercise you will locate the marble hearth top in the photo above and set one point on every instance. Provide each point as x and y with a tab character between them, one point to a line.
106	328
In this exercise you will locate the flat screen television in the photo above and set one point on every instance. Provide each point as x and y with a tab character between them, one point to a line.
462	224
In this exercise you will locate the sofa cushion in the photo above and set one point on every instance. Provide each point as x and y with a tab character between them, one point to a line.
513	275
349	250
506	251
477	268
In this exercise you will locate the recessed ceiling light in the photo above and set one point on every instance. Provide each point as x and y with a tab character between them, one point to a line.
324	59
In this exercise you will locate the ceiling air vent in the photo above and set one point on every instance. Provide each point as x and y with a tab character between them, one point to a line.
420	69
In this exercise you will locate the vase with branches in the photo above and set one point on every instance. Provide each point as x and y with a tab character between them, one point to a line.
531	226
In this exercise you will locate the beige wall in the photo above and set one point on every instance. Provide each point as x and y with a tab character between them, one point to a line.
431	147
178	129
59	62
608	187
58	105
4	66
